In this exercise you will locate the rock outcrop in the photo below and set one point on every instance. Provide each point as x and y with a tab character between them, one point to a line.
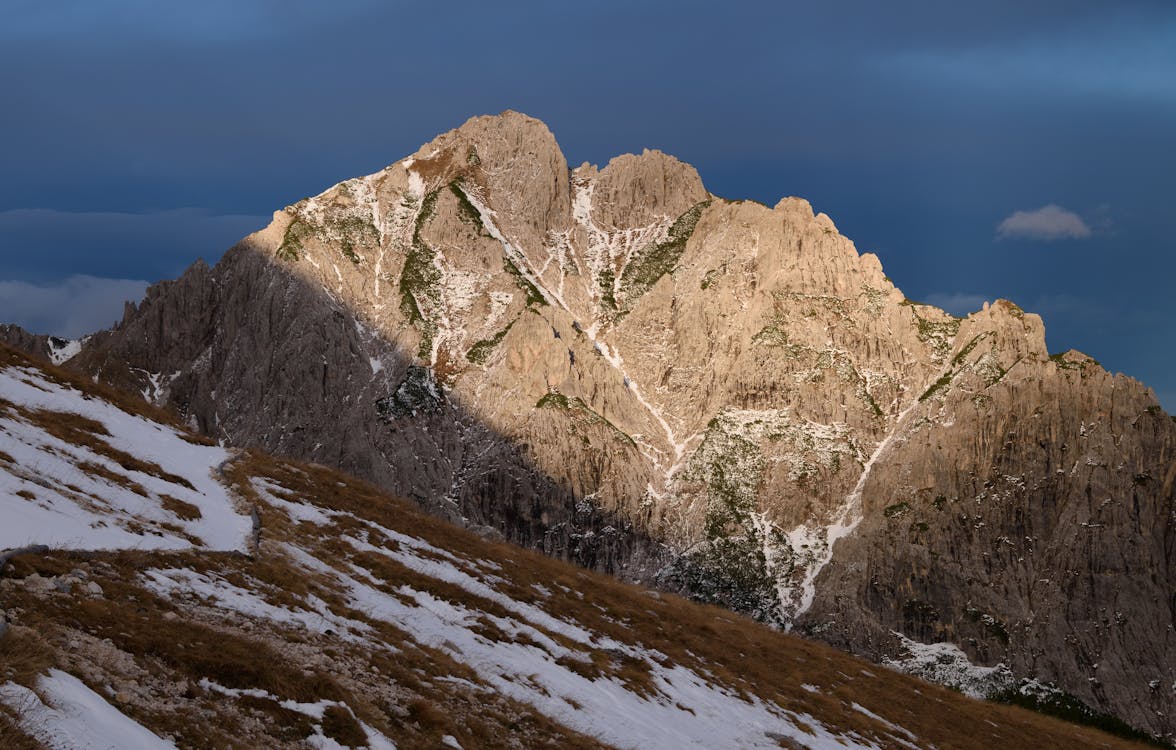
624	370
29	343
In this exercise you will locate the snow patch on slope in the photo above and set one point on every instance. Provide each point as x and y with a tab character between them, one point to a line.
61	350
72	496
947	664
67	715
819	540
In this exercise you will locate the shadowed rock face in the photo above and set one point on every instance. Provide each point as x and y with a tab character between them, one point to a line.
725	398
19	338
253	353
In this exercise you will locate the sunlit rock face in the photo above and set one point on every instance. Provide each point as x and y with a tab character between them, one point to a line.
617	367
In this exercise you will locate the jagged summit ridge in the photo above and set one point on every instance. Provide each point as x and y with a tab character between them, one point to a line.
619	368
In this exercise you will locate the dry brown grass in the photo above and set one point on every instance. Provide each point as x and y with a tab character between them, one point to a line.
92	469
186	648
76	429
128	402
427	714
11	736
341	726
739	653
185	510
24	654
133	619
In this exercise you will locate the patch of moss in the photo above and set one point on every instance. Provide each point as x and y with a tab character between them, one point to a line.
355	232
710	278
416	393
1060	360
607	282
534	296
875	299
935	331
898	509
730	572
420	280
556	400
480	351
959	357
292	241
1014	309
943	382
1064	706
465	209
770	335
654	261
998	376
872	403
553	399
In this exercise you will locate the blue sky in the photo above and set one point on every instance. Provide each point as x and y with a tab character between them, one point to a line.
1011	149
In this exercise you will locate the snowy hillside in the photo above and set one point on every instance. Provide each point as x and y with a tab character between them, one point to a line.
356	621
81	473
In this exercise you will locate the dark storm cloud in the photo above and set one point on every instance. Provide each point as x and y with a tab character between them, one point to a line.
68	307
47	244
917	126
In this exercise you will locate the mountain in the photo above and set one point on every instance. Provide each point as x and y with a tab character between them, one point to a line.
194	596
724	399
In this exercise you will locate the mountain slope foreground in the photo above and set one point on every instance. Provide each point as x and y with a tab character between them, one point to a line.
354	620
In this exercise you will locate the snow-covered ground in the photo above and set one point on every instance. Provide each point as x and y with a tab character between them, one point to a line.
64	714
65	494
533	663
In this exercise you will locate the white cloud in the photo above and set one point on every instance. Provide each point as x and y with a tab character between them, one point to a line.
71	307
1047	223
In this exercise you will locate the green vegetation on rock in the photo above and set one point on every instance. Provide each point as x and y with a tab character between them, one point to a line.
292	241
1062	705
480	351
355	232
729	572
709	279
416	393
607	281
466	211
534	296
420	280
582	411
656	260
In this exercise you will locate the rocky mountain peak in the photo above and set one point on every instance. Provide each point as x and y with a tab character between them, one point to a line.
727	399
634	191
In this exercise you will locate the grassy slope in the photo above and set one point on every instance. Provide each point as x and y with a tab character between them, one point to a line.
152	653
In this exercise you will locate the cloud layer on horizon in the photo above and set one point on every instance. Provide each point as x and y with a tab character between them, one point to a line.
69	308
1047	224
42	244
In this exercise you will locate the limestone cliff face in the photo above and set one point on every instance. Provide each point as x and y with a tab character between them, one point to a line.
722	397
